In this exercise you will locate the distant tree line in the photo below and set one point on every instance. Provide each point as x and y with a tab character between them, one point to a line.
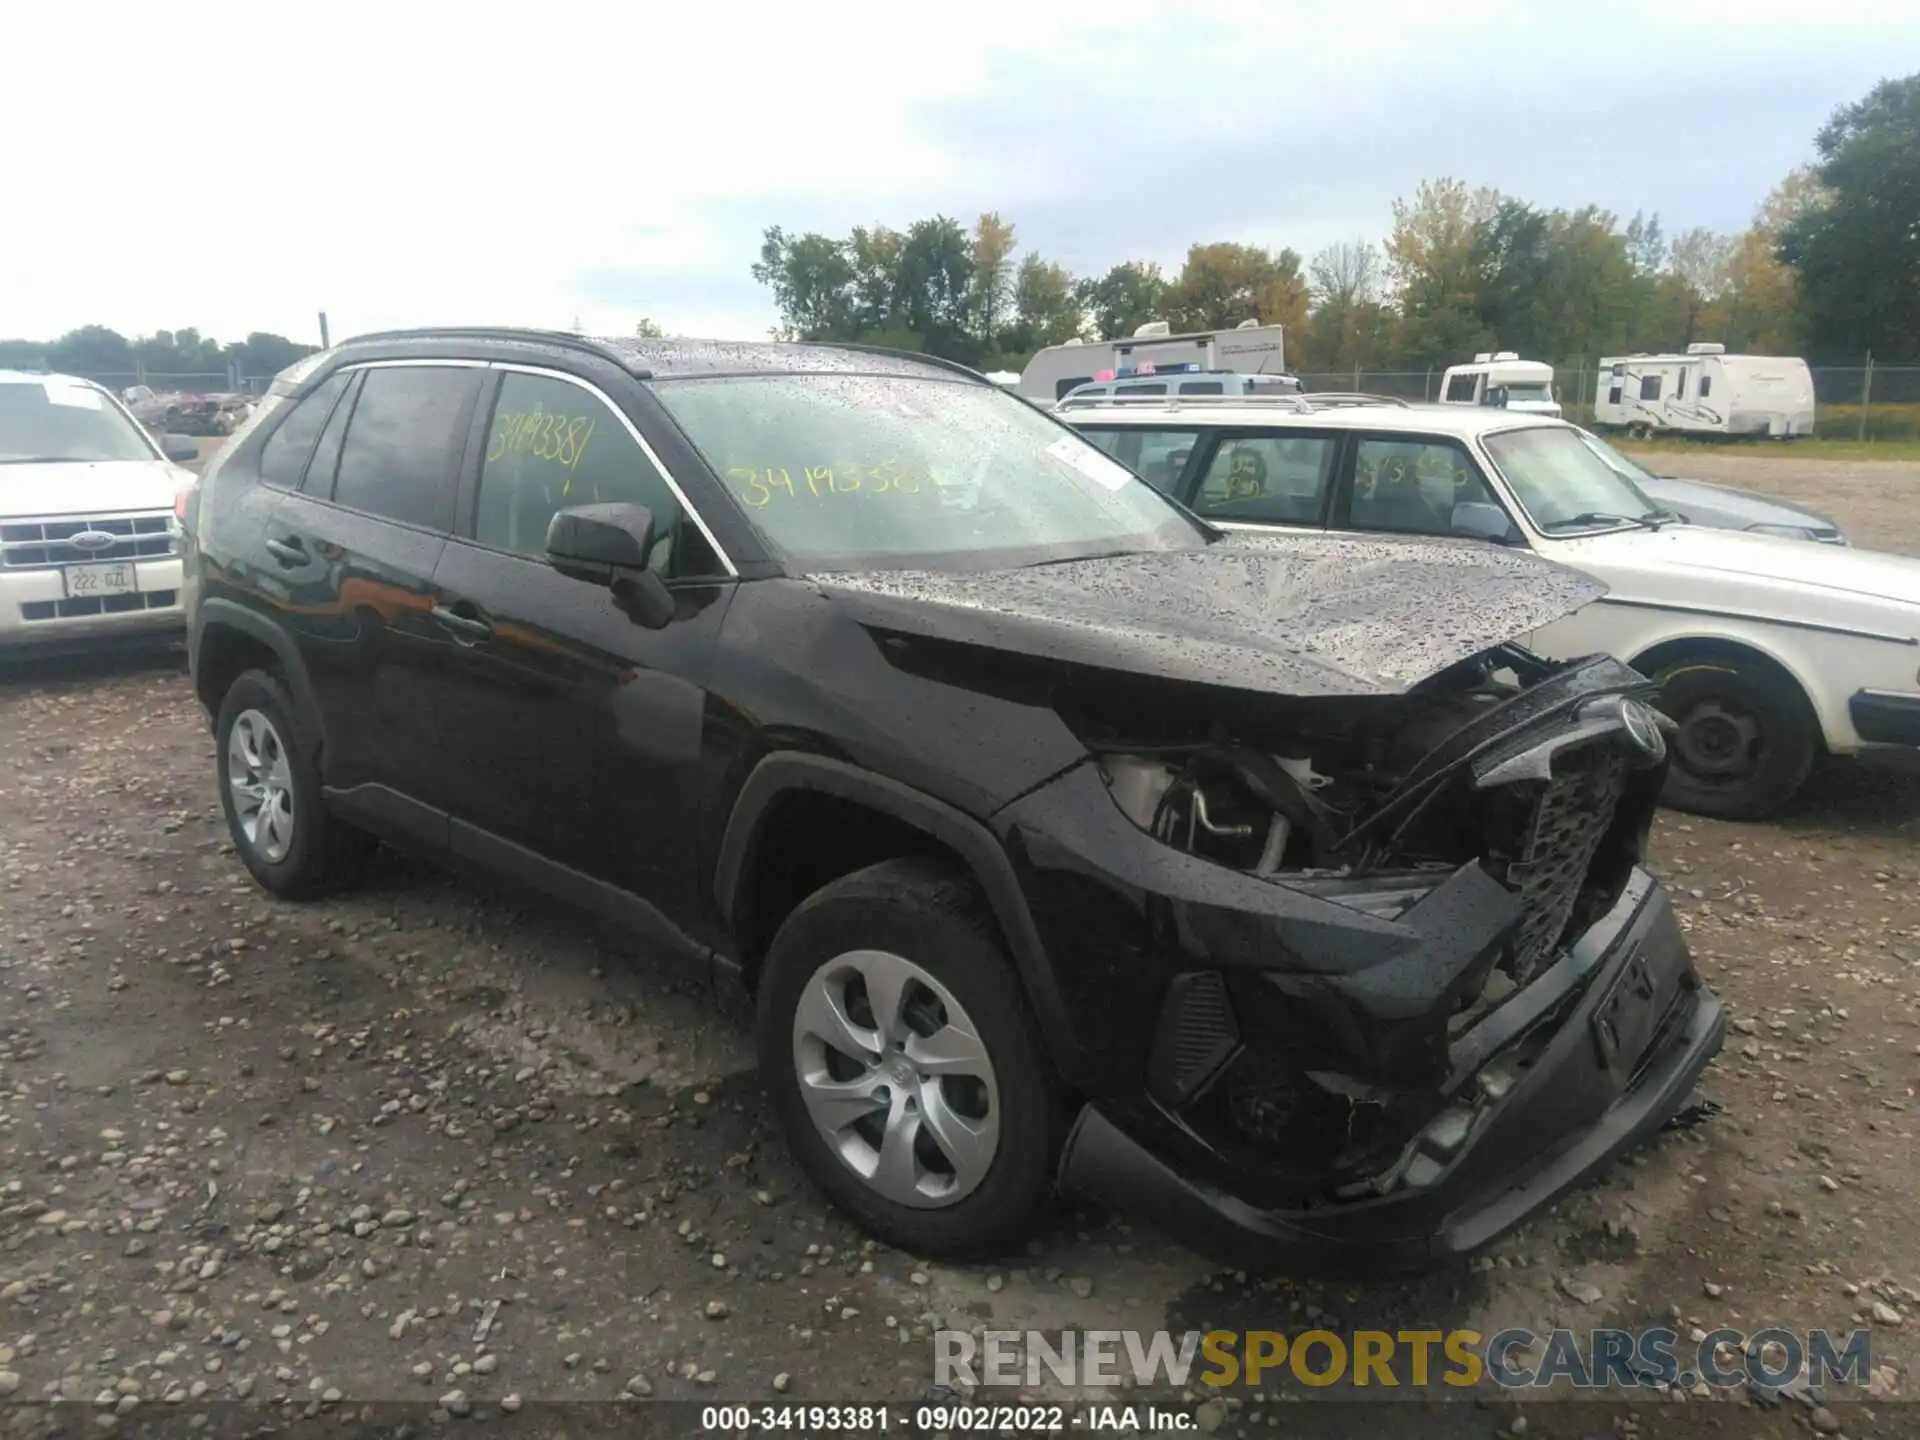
96	350
1829	268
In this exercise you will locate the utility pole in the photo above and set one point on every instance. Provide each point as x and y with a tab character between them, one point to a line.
1866	394
325	343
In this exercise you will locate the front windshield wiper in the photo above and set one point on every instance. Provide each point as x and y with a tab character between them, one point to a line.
44	460
1650	521
1076	559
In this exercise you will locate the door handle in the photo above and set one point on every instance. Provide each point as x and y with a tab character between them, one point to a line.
468	628
288	552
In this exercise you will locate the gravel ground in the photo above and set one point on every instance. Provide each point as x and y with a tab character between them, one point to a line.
421	1144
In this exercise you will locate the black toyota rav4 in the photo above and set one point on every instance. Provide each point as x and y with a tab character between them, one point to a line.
1264	885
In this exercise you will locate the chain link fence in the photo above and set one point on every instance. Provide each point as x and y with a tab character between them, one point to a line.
1865	402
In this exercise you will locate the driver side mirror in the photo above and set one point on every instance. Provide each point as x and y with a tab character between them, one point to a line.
180	449
610	545
1477	520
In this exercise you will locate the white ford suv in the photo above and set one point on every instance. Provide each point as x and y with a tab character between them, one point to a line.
89	549
1768	651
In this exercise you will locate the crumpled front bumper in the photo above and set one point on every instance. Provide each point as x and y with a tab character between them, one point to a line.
1617	1035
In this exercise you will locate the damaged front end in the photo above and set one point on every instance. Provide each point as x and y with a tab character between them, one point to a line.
1389	961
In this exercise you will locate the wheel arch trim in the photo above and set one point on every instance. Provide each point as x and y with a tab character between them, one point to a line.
220	614
786	772
1837	733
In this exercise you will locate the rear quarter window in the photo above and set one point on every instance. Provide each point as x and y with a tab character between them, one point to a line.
283	459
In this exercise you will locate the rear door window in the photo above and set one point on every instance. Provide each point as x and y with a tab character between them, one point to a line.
1268	479
403	444
284	457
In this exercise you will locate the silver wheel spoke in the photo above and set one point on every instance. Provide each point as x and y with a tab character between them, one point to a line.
897	1176
950	1050
823	1015
967	1144
887	978
837	1104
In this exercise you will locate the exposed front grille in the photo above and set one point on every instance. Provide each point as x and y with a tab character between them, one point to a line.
37	544
1568	822
97	605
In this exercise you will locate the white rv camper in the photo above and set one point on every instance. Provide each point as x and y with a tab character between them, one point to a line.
1706	392
1501	378
1249	349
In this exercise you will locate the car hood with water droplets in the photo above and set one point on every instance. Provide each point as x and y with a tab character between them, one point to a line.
1300	615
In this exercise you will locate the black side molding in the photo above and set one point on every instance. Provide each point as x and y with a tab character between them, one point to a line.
787	771
1883	718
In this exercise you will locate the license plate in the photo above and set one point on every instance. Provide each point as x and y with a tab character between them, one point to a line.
86	582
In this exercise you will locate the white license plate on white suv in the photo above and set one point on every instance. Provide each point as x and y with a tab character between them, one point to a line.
86	582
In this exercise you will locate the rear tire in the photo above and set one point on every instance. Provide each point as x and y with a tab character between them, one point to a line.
1747	739
904	1064
269	778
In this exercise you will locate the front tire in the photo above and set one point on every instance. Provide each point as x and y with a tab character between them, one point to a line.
1747	739
904	1064
269	779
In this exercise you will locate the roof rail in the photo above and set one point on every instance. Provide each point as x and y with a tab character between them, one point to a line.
937	361
509	332
1355	397
1296	403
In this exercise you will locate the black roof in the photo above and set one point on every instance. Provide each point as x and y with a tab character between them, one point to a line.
667	359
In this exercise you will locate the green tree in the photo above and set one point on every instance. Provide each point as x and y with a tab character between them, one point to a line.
1699	265
91	350
875	257
812	281
1589	284
1857	255
1760	313
263	354
1128	296
1512	258
645	329
1435	272
1046	307
936	287
1344	283
993	276
1225	283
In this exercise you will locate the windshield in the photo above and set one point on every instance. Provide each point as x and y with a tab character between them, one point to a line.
1628	467
873	472
1562	483
1542	393
56	419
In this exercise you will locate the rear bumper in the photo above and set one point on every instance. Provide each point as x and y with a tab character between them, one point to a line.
1580	1104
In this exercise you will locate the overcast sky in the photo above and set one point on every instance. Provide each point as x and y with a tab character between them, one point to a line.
537	164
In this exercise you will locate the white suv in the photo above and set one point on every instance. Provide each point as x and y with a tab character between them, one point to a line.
89	545
1767	650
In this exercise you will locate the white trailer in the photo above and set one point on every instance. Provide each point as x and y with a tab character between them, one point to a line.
1706	392
1249	349
1501	378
